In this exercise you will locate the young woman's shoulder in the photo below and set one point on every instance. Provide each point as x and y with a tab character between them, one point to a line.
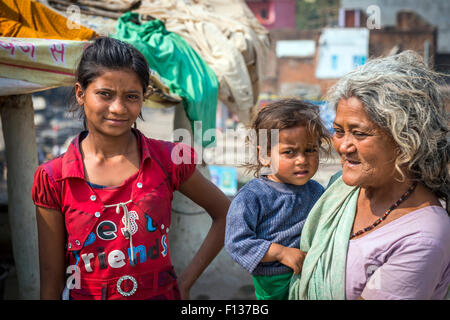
51	168
177	160
154	143
175	152
46	189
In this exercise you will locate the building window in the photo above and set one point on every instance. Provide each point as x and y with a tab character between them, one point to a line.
263	13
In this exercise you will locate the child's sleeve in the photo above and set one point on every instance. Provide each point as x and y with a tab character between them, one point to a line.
241	240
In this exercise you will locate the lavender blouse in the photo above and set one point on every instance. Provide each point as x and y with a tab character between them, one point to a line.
408	258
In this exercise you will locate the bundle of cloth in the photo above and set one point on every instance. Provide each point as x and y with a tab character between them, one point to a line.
30	61
31	19
40	47
227	36
178	64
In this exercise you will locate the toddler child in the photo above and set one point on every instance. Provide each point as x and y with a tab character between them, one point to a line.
266	217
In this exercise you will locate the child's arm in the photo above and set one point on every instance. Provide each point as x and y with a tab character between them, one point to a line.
207	195
241	240
290	257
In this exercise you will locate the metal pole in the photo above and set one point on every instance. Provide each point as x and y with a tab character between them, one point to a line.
21	158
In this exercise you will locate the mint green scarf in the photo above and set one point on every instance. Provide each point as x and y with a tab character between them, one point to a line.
325	238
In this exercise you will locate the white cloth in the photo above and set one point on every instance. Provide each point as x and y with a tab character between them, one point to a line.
230	44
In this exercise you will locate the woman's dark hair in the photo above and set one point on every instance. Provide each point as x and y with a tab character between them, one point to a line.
284	114
108	54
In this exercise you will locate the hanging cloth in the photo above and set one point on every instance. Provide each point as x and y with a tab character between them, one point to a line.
227	36
31	19
181	68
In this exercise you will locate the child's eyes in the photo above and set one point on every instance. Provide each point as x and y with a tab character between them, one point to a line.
307	150
311	150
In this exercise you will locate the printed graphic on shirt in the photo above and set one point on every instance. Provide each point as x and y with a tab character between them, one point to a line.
150	226
141	250
90	239
133	225
101	258
106	230
109	256
163	242
118	259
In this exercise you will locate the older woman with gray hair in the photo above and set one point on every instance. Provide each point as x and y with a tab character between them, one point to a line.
380	230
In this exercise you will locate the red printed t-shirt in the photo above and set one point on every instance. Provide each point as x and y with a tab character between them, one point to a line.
117	237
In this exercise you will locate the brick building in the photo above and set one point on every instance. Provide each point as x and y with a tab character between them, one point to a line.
295	54
435	12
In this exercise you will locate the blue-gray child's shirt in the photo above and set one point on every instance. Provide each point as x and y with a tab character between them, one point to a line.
265	212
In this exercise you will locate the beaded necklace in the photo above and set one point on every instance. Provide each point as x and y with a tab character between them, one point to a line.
388	211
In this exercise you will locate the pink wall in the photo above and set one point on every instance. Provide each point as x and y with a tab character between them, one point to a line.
279	13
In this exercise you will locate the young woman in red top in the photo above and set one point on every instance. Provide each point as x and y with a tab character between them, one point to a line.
103	208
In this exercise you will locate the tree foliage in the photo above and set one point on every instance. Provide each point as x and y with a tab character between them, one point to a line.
314	14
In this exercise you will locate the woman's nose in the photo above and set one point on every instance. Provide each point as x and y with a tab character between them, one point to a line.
345	144
118	106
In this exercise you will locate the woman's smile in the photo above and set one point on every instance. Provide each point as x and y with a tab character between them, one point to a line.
350	162
117	122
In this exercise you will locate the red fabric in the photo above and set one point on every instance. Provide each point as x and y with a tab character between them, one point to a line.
96	243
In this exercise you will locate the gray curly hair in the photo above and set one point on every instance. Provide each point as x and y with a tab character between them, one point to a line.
405	98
